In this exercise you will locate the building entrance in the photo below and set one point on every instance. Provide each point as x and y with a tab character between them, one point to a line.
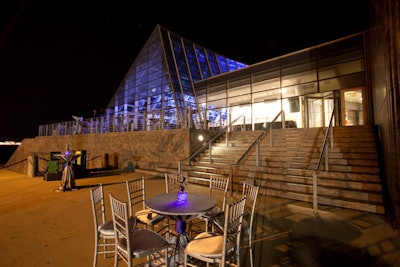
352	107
349	108
319	109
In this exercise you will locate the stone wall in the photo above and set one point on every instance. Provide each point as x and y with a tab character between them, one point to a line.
155	151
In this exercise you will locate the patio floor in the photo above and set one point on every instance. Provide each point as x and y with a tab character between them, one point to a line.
41	227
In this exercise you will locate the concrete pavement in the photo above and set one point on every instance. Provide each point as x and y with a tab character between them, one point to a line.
40	227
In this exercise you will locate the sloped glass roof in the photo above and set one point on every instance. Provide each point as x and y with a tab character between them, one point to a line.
161	79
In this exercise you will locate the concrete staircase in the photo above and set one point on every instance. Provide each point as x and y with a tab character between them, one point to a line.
286	168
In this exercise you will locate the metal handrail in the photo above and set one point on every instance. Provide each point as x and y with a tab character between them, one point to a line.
230	126
323	151
256	141
209	143
329	131
201	149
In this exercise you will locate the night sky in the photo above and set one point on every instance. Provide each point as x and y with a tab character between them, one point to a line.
62	58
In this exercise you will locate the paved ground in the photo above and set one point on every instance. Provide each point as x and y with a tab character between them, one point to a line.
40	227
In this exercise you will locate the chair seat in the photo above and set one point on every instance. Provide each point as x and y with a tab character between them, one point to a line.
144	242
107	229
148	217
220	219
208	245
212	213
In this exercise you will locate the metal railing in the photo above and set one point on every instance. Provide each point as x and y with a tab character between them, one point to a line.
257	140
256	144
110	123
210	142
324	152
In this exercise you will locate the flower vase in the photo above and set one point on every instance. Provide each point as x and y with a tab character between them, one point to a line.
182	196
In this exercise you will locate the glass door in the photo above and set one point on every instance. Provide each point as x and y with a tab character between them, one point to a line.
352	107
319	109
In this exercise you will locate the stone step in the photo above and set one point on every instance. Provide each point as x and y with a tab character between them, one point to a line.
333	192
335	202
286	168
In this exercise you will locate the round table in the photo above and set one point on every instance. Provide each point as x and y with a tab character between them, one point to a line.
181	211
167	204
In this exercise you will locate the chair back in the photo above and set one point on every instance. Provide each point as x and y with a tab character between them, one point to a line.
219	184
131	242
251	193
103	228
122	226
172	182
98	206
233	227
136	195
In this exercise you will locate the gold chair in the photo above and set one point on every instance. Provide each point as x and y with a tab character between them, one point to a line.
173	182
103	228
251	193
132	242
215	247
217	184
137	204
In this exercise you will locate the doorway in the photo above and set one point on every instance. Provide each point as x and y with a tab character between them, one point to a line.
352	107
319	109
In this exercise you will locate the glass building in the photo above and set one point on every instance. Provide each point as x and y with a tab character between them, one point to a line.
306	85
175	83
158	90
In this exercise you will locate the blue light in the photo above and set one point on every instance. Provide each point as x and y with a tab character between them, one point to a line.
182	197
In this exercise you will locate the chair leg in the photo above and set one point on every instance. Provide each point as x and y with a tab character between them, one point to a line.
212	227
185	259
166	256
96	248
104	248
251	249
251	256
116	257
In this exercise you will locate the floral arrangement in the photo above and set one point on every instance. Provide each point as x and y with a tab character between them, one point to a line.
182	194
182	184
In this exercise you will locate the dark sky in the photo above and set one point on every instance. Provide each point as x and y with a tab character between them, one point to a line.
63	58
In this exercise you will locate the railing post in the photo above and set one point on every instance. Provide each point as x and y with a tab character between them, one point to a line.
162	126
258	154
179	166
229	121
226	135
270	135
209	152
231	179
326	158
315	193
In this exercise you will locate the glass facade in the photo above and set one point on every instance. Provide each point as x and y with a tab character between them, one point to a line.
306	85
175	83
158	88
